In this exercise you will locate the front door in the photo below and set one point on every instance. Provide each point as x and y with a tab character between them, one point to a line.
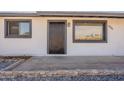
56	38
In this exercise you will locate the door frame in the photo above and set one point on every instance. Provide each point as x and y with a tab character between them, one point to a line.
65	36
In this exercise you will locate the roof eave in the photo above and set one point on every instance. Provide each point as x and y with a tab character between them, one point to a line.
63	14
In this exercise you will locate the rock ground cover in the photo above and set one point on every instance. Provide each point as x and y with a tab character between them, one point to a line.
7	61
69	78
66	75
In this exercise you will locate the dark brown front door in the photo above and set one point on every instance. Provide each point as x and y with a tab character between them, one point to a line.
56	38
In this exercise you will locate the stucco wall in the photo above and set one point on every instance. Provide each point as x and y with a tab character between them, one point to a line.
37	45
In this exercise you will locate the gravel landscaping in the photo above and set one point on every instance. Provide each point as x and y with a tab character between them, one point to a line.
4	64
68	78
63	75
8	61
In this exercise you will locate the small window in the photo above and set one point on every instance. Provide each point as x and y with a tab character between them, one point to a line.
18	29
89	31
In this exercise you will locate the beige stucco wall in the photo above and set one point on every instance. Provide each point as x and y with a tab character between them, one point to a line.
37	45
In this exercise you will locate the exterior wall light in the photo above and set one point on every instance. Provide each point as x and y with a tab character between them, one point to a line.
68	24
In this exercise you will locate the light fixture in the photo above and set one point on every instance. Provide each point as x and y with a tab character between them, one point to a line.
68	24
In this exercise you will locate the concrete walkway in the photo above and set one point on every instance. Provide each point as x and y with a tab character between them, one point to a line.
71	63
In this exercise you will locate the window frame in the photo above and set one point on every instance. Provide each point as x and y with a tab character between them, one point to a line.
6	35
104	31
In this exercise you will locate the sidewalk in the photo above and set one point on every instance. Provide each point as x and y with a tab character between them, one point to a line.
53	63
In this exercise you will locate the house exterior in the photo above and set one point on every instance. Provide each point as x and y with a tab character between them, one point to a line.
45	33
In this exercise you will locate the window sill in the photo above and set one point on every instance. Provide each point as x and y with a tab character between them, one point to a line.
18	37
89	41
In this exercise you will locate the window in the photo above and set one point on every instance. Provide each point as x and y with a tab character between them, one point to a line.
17	28
89	31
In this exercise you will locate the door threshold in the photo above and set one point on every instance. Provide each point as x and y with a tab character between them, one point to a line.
56	54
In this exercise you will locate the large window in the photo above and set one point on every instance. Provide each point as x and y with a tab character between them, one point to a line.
89	31
18	28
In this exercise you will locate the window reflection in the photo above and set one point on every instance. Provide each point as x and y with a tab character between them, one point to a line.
24	28
88	31
18	29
